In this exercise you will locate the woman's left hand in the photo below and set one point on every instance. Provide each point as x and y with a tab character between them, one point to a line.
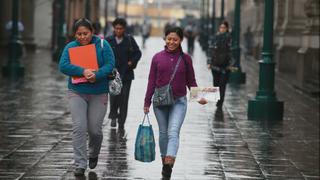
202	101
92	78
146	110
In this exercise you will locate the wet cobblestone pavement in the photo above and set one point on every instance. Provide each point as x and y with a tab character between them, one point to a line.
35	130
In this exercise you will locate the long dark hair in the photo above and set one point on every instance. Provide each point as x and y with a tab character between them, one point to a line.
82	22
226	24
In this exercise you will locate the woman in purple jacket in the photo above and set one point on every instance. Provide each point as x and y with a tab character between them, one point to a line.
170	118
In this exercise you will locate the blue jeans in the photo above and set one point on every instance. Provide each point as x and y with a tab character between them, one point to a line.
170	119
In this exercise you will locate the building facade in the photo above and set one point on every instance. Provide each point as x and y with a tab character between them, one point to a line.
40	20
296	37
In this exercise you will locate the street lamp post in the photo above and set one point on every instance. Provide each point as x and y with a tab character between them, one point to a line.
265	105
61	31
13	68
207	30
202	24
237	77
213	19
222	11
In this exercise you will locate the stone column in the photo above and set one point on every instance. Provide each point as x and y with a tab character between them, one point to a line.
308	54
278	23
289	36
311	9
27	18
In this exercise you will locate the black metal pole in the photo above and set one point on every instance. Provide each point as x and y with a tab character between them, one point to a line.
207	30
202	24
222	11
61	31
266	104
213	19
88	9
237	77
13	68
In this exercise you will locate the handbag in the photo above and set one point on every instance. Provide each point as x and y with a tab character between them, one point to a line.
163	96
144	150
115	85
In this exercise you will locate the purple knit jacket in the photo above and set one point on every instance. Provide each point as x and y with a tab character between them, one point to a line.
162	67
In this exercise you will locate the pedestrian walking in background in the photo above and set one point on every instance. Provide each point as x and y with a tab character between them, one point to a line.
170	118
190	34
248	43
108	29
219	59
127	55
87	101
145	32
98	28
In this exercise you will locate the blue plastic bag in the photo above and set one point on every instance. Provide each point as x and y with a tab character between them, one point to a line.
145	144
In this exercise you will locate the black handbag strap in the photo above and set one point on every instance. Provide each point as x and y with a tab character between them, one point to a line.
175	69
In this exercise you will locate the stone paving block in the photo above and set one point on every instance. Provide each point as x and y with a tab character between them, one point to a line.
41	177
5	175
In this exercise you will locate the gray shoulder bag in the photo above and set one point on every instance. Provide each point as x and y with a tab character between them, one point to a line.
115	84
163	96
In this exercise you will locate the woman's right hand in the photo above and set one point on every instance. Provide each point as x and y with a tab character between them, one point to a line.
88	73
209	66
146	110
202	101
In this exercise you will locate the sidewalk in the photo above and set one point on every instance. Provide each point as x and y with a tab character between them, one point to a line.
35	130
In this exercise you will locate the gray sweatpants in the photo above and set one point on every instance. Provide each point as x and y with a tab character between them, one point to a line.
87	113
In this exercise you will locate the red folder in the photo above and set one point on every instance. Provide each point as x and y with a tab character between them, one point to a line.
85	57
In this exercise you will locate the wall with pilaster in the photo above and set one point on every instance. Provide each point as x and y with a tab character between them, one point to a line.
75	9
296	51
27	17
43	22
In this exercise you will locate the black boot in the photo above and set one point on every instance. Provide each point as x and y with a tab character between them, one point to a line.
166	171
93	162
168	163
219	104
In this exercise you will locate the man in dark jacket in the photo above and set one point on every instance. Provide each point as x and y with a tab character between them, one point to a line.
127	55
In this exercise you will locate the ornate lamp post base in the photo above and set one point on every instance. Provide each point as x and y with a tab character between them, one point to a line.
266	106
262	109
13	68
13	71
